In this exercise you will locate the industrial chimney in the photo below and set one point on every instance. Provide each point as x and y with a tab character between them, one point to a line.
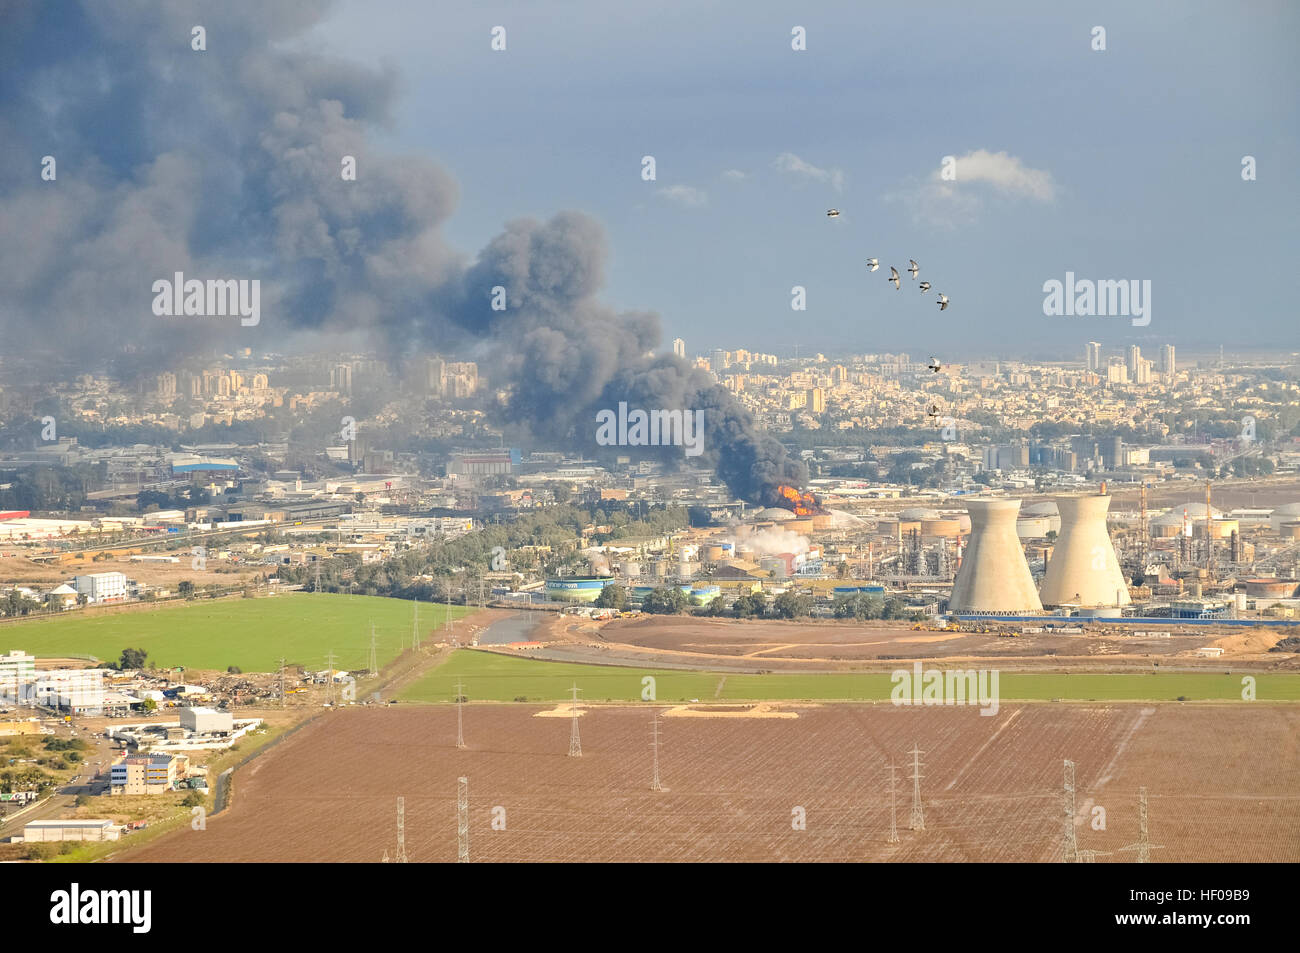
994	576
1083	569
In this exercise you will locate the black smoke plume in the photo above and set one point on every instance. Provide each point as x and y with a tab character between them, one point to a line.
226	164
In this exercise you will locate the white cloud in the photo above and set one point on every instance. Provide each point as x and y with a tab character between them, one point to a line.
949	203
1006	172
734	175
685	195
791	163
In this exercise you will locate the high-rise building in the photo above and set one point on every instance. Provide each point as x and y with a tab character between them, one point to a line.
341	378
816	401
679	348
1167	365
1134	358
1092	356
435	375
718	361
17	676
1143	372
1116	372
166	385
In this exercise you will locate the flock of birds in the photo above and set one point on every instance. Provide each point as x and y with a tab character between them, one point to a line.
896	280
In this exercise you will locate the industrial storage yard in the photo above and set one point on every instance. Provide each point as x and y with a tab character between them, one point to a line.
1222	784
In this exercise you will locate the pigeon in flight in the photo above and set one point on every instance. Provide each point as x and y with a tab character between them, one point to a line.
873	264
943	302
893	276
915	269
935	365
924	286
832	213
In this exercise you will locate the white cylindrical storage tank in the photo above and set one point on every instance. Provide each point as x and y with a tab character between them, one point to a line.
994	576
1083	569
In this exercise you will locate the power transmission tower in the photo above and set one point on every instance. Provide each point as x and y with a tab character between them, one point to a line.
401	830
1144	845
415	626
918	813
460	719
654	744
893	805
373	664
329	675
575	743
281	683
317	586
1069	844
462	820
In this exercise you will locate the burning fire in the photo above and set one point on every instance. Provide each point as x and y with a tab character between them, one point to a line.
801	504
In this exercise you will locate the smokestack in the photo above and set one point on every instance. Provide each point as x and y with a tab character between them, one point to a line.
1084	569
994	575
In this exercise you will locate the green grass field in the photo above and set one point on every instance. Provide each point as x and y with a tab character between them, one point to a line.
491	677
252	634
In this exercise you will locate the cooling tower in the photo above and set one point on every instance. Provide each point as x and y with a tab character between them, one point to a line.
994	576
1083	568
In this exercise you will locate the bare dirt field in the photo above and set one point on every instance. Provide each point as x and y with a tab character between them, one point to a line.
775	645
21	571
1223	784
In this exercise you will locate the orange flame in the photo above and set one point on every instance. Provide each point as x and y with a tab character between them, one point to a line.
801	504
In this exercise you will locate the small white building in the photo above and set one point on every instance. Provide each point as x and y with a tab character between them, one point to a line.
207	720
63	596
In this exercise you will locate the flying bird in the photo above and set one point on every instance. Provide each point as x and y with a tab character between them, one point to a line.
924	286
935	365
873	264
914	269
893	276
832	213
943	302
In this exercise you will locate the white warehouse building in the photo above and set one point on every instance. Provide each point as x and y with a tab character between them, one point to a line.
100	587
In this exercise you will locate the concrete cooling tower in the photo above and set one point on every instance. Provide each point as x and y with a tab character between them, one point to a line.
994	576
1083	569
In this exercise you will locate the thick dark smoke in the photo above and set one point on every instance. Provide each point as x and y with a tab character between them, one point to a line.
565	355
226	164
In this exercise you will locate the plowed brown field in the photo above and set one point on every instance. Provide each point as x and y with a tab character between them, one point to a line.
1223	785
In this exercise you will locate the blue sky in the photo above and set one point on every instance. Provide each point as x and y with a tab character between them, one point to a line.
1119	164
